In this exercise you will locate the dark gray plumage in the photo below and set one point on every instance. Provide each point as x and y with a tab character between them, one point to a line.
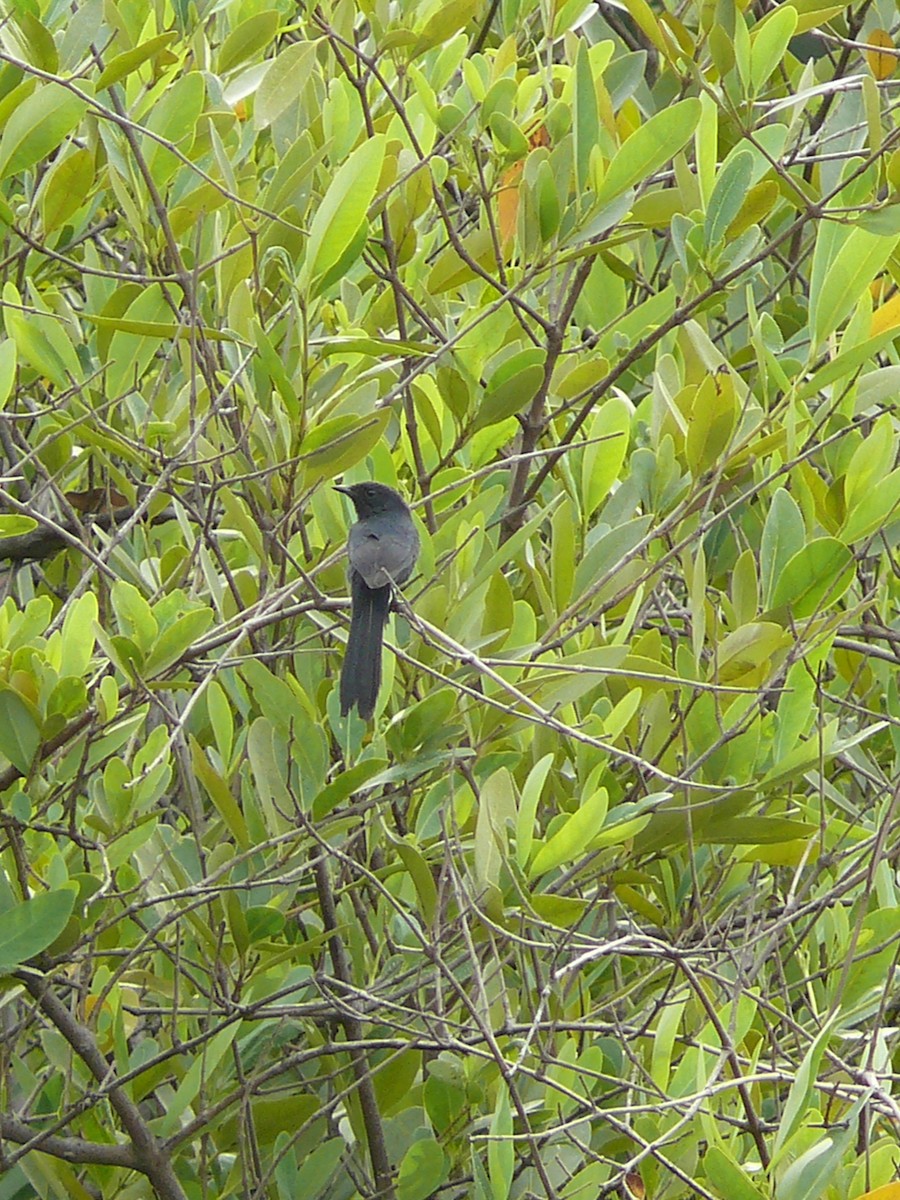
382	547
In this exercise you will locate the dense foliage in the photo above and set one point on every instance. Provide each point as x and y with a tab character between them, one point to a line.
605	899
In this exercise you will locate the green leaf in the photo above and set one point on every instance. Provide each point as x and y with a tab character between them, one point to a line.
569	842
20	735
14	524
269	775
819	572
131	350
512	387
419	872
78	635
810	13
40	340
811	1175
501	1148
451	271
500	97
844	364
283	82
871	461
768	42
562	553
30	927
374	347
66	187
447	19
562	911
221	718
509	135
343	208
274	367
728	196
547	200
202	1066
38	126
650	147
713	416
129	61
783	535
174	119
610	431
444	1093
339	444
38	44
221	796
134	615
317	1169
585	116
873	509
801	1092
176	639
609	548
7	369
796	709
344	785
728	1177
663	1041
748	647
496	812
755	207
248	40
162	330
834	293
528	804
423	1170
755	831
645	19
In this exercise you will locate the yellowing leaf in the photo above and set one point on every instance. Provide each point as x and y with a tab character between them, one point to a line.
887	316
508	202
757	204
881	65
890	1191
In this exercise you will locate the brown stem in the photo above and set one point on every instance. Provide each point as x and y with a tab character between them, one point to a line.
149	1157
381	1163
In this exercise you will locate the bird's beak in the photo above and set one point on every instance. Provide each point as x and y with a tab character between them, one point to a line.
339	487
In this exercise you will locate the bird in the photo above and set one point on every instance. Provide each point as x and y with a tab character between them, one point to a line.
382	547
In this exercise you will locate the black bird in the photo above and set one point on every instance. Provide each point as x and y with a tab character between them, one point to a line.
383	547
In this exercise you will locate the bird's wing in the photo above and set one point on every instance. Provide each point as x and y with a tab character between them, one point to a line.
381	555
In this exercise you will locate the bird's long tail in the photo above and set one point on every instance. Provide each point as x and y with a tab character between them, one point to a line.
361	673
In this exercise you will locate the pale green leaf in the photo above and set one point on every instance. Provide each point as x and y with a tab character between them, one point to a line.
650	147
38	126
854	266
577	831
343	207
283	82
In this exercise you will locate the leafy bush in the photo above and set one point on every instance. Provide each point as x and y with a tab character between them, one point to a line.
604	901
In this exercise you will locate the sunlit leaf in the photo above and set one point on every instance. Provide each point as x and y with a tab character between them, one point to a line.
38	126
651	146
